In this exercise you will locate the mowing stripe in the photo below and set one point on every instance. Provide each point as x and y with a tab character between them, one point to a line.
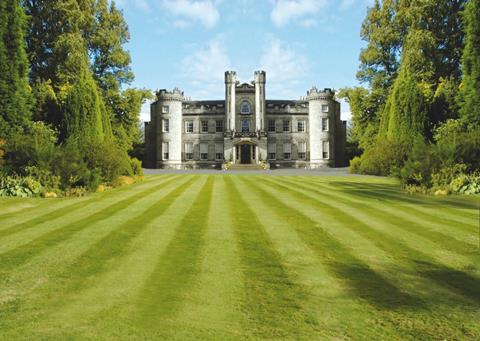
18	256
273	302
410	225
62	211
457	281
360	278
61	202
421	207
114	245
179	265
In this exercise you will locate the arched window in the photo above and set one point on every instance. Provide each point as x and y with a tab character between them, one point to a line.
245	107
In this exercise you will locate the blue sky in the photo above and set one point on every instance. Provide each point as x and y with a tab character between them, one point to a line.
189	44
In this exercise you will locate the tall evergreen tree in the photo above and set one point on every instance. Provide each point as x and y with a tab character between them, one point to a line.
469	96
14	91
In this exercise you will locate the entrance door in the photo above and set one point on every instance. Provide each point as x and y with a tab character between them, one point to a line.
246	153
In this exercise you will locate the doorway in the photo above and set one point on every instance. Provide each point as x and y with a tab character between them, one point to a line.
246	154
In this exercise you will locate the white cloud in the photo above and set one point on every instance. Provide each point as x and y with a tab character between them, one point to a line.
285	68
203	11
285	11
205	68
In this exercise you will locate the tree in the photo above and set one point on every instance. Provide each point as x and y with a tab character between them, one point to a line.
469	96
15	97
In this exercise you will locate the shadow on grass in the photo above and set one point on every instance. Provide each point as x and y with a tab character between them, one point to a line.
393	193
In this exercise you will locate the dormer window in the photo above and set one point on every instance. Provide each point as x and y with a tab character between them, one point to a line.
245	107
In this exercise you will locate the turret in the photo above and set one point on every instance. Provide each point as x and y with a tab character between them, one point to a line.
321	114
259	81
230	91
168	109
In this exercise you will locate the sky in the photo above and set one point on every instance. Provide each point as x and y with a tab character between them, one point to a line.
190	44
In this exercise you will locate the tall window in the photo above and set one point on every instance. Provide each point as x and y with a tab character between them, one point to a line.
203	151
219	126
165	109
287	151
326	147
165	150
286	125
245	125
325	108
166	126
324	124
204	126
188	151
189	126
271	126
218	151
302	150
245	107
272	151
301	126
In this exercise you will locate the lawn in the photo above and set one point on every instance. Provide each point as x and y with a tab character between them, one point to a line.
241	257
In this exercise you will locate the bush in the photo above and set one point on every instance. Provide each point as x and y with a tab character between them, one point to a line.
109	160
386	157
355	165
466	184
47	179
14	186
136	165
445	175
418	168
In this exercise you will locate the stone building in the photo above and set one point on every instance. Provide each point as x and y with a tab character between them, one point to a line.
245	128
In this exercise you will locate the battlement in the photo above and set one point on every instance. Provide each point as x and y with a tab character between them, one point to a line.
316	94
230	77
174	95
260	76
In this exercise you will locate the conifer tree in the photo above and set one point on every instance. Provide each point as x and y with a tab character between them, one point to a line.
14	92
469	97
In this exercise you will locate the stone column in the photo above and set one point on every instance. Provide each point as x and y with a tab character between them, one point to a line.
230	91
259	80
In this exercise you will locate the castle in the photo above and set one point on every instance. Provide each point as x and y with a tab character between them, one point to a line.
245	128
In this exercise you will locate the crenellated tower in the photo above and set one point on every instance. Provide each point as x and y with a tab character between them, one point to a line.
168	112
230	101
260	103
321	116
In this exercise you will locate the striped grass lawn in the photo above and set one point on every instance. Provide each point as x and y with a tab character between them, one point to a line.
241	257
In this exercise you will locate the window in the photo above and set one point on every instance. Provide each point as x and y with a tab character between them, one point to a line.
188	151
203	151
204	126
165	109
166	126
324	107
286	125
326	147
245	107
219	126
324	124
287	151
245	125
272	151
165	150
189	126
271	126
302	150
218	151
301	126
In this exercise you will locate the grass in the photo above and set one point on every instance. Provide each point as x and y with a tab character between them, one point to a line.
241	257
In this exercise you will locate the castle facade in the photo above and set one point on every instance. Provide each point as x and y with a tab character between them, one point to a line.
245	128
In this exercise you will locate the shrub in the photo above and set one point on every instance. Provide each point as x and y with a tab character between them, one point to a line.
418	168
123	181
466	184
76	192
445	175
355	164
47	179
14	186
136	166
384	158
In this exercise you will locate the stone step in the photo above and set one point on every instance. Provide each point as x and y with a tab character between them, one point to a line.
245	167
